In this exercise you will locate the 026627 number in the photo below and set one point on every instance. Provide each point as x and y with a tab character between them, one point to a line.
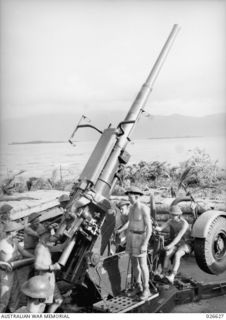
214	315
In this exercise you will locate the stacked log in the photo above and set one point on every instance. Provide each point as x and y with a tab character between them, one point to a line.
43	201
46	202
162	206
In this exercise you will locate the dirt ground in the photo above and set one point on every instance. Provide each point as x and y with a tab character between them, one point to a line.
210	305
213	305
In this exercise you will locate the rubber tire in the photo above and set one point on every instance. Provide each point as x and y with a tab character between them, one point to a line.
204	248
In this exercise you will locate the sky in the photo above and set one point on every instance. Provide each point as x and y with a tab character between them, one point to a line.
62	57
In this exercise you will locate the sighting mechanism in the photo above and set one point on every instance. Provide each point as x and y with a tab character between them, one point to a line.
80	125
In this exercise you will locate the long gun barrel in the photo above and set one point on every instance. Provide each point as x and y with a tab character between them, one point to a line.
105	181
142	97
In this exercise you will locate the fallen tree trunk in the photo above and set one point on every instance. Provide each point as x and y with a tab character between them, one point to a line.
162	206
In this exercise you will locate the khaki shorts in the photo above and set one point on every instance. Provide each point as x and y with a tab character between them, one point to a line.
56	295
187	247
134	243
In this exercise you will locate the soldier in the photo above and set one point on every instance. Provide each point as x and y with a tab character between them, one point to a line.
4	217
32	232
63	200
180	243
66	217
44	266
138	235
37	289
123	206
10	250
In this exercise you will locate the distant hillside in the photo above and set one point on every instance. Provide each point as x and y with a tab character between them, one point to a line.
36	142
182	126
59	127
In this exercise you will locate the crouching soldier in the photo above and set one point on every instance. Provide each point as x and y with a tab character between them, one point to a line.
37	289
181	243
10	250
44	266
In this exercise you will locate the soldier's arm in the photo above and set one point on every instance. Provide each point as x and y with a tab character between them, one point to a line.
40	263
180	234
129	218
31	232
123	228
148	225
163	226
24	252
59	247
3	255
41	267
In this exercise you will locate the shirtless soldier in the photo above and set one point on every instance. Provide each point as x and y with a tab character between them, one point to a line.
138	235
180	243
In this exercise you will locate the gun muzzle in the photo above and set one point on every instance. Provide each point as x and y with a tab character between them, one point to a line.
66	253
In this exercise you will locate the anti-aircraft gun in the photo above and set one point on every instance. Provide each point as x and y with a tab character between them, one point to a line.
90	208
91	219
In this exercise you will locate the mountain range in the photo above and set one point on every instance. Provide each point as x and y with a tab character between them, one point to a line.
55	127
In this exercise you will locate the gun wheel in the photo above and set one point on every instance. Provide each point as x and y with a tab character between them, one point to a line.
210	253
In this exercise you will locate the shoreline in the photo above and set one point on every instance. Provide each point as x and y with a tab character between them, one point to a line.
135	139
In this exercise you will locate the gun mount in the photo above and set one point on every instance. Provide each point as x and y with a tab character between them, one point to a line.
89	205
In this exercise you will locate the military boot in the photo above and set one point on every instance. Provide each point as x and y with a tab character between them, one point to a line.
138	288
145	294
171	277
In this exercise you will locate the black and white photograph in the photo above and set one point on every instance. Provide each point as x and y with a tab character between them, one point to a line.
112	158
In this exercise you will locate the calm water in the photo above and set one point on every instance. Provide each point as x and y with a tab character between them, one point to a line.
46	159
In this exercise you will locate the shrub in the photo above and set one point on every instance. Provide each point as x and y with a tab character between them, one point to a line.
197	172
203	171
